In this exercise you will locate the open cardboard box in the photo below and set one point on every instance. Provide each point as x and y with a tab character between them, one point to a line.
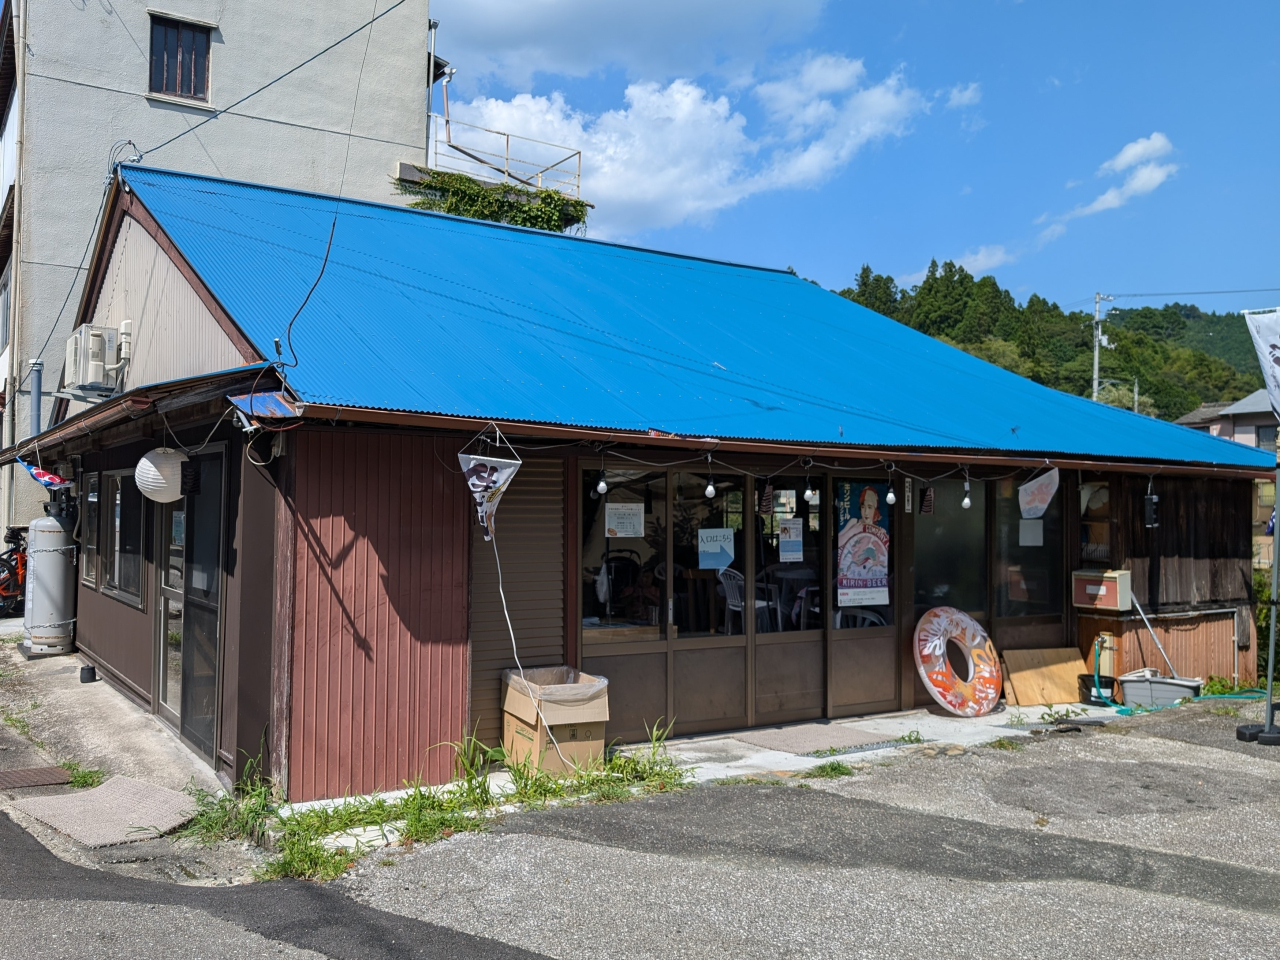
577	727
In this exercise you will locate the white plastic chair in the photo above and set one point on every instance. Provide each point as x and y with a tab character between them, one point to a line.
734	593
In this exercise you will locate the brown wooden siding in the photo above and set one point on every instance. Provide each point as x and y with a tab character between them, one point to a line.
379	644
1202	551
530	536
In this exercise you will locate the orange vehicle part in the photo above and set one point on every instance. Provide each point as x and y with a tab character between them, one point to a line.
974	695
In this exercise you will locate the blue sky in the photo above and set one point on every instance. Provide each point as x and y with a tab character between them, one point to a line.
1063	147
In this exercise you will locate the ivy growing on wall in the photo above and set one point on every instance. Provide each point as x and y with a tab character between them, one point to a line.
463	196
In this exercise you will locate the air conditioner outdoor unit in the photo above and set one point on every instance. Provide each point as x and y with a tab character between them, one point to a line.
95	357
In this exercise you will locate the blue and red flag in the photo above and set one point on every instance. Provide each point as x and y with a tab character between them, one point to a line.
44	477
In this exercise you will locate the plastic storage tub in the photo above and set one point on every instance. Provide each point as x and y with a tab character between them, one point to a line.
1148	688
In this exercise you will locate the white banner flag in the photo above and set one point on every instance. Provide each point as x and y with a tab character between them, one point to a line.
1264	326
487	478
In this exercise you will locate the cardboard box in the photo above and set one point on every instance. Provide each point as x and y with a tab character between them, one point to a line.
577	727
581	743
1101	589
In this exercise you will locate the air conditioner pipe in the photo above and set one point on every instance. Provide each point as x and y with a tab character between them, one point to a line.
37	375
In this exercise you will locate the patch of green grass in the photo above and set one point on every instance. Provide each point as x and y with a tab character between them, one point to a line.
1225	711
386	862
1064	715
83	777
422	815
828	771
1004	743
18	724
239	815
911	736
828	752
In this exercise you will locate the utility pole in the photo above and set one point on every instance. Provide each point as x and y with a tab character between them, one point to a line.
1097	335
1135	394
431	79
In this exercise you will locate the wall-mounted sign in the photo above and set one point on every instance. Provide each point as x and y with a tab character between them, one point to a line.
624	519
862	571
791	540
715	548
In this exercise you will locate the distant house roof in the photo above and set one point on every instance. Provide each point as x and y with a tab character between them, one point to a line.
1256	402
1205	413
424	312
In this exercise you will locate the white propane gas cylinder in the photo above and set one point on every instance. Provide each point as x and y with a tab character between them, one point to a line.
51	588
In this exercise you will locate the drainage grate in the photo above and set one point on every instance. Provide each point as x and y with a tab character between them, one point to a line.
33	777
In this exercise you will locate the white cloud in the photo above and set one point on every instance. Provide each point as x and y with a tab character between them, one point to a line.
964	96
1145	176
985	259
677	153
657	40
1142	150
1051	233
1141	181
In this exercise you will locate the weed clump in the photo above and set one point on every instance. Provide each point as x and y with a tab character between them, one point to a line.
83	777
1004	743
422	814
828	771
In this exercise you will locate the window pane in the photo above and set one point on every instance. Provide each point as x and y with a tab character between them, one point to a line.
157	57
624	556
1028	556
171	59
950	548
186	59
124	560
89	530
1267	438
862	555
710	559
201	65
787	555
1095	524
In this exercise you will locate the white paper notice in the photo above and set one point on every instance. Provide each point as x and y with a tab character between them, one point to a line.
791	540
1031	533
624	519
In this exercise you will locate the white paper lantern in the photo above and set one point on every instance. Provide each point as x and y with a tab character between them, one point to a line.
159	474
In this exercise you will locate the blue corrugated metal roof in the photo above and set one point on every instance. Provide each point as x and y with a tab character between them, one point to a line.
430	313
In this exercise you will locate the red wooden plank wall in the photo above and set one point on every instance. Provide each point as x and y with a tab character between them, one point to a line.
380	657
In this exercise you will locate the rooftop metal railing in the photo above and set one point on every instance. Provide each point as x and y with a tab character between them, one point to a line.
502	157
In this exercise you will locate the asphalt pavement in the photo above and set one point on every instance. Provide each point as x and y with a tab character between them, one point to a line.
53	910
1157	836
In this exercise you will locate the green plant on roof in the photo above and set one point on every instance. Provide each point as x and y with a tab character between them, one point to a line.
464	196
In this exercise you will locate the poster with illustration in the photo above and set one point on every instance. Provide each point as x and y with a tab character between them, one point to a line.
862	544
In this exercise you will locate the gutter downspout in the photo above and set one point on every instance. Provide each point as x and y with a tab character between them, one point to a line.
15	288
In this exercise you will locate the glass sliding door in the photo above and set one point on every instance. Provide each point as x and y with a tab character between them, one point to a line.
951	548
202	601
172	547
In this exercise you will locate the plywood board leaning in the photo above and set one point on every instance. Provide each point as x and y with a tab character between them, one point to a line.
1010	698
1045	676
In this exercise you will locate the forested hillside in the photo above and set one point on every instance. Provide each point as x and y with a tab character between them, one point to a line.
1180	355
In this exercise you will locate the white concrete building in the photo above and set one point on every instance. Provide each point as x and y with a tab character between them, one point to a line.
77	77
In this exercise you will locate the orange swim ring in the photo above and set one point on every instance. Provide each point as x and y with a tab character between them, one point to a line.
975	695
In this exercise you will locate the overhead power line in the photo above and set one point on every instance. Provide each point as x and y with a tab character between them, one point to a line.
1199	293
291	70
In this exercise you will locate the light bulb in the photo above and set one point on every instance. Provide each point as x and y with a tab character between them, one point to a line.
966	502
808	495
595	494
602	487
711	488
890	498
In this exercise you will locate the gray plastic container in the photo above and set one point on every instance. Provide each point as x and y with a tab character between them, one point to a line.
1148	688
